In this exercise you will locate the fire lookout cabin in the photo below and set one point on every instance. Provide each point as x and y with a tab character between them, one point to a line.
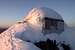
52	25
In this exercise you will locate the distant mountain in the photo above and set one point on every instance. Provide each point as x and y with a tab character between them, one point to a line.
3	29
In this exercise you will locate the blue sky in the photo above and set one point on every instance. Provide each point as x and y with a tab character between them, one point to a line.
13	10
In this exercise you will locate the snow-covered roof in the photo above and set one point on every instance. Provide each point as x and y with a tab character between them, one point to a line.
43	12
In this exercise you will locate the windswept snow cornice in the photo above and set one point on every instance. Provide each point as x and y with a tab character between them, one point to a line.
43	12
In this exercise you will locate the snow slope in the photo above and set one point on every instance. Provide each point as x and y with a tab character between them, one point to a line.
22	35
8	41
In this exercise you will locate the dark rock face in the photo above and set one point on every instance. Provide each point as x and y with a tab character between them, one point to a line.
51	45
47	45
65	47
